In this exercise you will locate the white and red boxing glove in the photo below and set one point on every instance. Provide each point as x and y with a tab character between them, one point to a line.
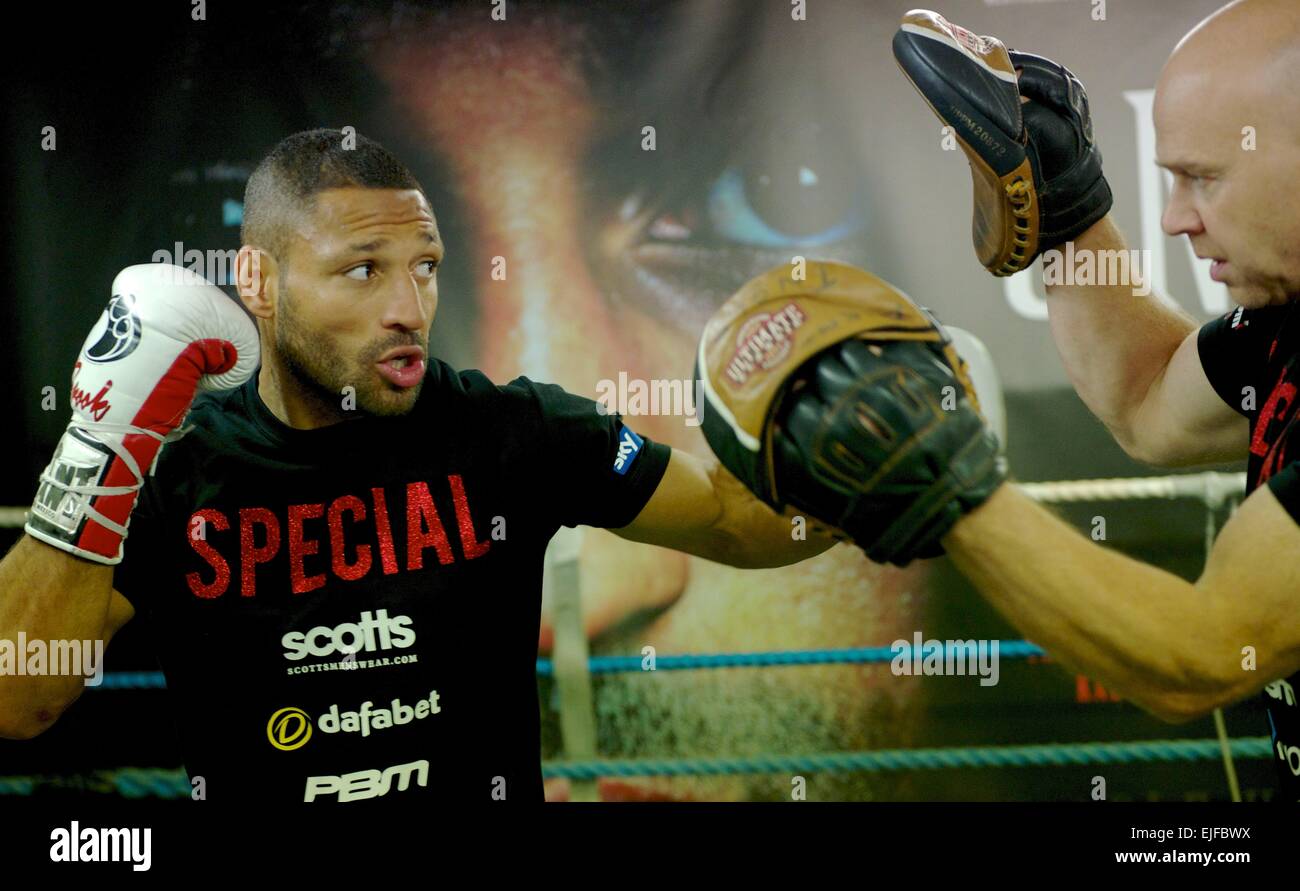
166	333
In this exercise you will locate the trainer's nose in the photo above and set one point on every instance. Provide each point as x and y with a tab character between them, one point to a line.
1180	216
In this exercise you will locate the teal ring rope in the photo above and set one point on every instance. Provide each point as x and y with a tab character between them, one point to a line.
1010	649
1049	755
173	783
1007	649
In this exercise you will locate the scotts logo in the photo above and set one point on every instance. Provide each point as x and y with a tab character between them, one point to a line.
764	341
289	729
371	633
121	332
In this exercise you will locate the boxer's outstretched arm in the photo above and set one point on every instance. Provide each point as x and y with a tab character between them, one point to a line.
1174	648
1134	362
701	509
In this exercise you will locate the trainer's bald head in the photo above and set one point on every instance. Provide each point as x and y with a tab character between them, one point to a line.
1243	25
1227	121
1245	58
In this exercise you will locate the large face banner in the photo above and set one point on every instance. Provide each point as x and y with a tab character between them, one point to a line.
604	177
613	178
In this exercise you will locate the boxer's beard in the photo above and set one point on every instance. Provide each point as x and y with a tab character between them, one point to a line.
319	366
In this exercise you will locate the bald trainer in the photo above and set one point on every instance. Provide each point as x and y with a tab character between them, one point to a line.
1174	393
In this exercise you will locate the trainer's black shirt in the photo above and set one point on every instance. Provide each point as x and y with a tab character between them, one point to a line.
1252	357
351	613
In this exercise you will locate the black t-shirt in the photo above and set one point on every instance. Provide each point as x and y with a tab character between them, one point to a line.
351	613
1252	358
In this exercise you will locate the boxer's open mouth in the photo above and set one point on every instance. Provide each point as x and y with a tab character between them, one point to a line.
403	367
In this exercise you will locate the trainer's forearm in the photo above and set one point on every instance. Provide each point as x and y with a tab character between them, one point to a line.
1142	631
46	594
1114	344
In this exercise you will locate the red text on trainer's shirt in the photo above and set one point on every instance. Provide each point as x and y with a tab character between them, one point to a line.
1276	417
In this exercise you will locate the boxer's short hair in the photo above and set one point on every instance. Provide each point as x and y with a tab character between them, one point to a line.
283	186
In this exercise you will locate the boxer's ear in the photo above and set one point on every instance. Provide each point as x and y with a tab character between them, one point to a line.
256	280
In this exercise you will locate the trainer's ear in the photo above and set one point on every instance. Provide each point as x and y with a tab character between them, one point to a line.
256	280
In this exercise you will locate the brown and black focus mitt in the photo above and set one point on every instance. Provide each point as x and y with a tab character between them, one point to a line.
838	396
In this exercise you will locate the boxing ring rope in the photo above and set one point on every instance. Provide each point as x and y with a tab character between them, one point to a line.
572	668
1212	489
1008	649
134	782
885	760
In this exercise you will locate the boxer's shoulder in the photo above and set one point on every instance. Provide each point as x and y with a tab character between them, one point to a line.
450	388
471	388
209	404
222	416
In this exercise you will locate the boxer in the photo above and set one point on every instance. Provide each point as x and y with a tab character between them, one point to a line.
321	520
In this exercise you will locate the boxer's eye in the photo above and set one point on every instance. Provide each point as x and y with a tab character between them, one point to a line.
360	273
